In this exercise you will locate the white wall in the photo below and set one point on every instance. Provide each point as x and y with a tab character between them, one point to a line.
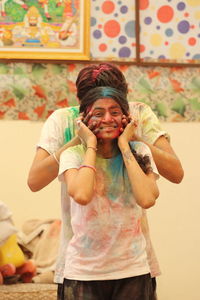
174	221
17	149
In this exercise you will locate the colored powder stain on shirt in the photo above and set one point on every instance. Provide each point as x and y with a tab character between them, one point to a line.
113	170
74	110
72	114
68	135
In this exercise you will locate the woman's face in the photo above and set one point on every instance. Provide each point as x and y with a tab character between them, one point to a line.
108	115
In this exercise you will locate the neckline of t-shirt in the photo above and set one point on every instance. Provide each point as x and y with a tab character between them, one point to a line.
109	158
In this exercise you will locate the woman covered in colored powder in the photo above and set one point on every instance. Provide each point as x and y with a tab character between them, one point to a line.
110	179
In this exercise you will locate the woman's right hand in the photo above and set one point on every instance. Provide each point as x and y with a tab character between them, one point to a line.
93	126
86	135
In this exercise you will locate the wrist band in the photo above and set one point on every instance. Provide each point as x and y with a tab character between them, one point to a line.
54	156
95	149
88	166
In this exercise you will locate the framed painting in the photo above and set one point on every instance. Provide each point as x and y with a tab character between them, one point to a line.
44	29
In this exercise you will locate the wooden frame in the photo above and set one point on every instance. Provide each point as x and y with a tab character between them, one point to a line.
56	31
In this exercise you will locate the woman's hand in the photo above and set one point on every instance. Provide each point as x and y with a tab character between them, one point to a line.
128	133
93	126
86	135
125	121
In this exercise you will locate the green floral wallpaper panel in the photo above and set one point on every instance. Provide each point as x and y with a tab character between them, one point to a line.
33	91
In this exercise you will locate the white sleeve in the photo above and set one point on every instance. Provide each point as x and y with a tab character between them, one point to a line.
51	138
69	159
149	127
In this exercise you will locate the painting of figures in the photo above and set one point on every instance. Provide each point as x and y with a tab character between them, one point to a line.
44	29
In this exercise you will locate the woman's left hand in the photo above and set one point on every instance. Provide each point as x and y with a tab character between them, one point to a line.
129	132
125	121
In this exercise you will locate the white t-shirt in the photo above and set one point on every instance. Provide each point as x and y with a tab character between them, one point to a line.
107	241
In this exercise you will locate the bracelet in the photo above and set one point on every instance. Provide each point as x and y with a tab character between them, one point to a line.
95	149
54	156
88	166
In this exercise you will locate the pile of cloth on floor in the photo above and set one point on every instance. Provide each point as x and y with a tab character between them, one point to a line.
28	255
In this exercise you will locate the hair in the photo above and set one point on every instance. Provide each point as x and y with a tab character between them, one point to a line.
109	92
143	161
103	74
104	92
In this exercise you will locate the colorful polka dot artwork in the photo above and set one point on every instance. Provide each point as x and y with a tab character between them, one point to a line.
113	30
170	30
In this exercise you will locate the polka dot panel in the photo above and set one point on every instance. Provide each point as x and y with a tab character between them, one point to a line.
113	30
170	29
